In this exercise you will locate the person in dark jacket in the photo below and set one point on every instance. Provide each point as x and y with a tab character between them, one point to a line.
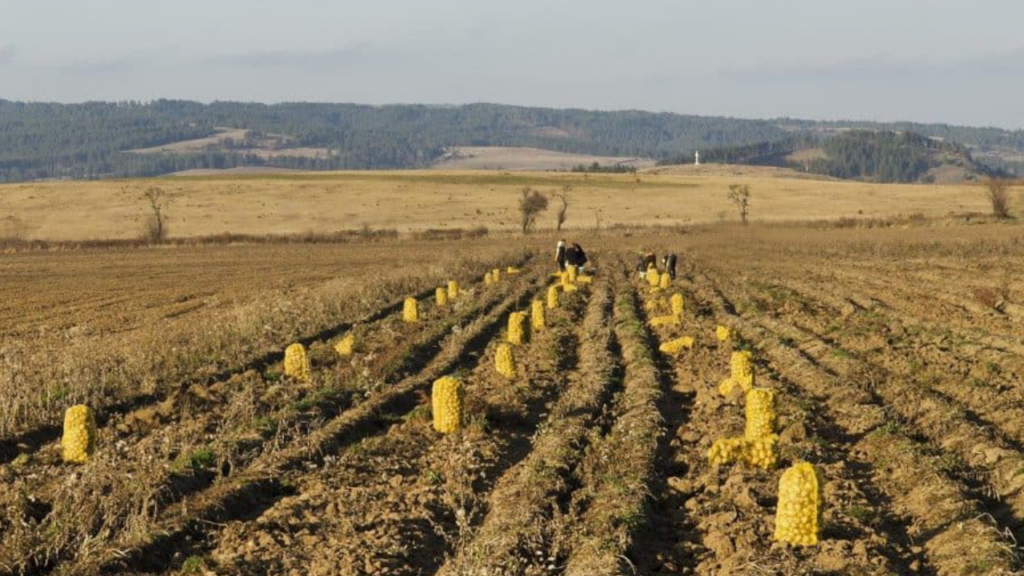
668	263
576	256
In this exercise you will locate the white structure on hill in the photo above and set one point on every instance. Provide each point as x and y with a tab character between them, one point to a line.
696	158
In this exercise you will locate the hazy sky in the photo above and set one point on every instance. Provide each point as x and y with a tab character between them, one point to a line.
956	61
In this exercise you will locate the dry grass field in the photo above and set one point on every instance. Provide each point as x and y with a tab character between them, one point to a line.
300	203
893	349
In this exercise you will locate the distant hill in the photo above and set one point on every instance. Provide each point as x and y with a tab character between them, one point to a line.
885	156
869	155
127	139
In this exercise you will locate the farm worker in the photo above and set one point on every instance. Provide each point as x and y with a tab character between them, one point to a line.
560	251
576	256
669	264
645	263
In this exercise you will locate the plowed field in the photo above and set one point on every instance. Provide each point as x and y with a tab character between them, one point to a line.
894	356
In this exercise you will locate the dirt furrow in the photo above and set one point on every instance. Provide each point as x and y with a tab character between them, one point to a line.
617	469
397	502
519	533
987	459
166	381
718	520
956	531
918	309
976	379
218	429
261	480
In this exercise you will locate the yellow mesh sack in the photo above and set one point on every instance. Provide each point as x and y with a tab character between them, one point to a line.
552	297
763	452
658	321
677	303
296	364
726	450
742	368
79	440
798	516
446	399
410	311
346	345
537	316
517	328
653	278
505	361
673	347
760	413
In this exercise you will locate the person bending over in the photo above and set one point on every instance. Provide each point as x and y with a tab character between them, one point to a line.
560	255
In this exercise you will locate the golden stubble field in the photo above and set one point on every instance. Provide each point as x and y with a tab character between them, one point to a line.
300	203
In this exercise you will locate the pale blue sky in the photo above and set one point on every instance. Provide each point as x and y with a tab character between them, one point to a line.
956	61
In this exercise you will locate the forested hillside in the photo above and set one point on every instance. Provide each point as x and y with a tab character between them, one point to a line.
889	156
91	140
872	155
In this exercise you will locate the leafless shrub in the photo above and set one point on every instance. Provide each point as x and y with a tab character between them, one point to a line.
563	197
740	196
156	229
531	204
999	197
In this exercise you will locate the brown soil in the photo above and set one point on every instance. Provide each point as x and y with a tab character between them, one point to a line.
896	373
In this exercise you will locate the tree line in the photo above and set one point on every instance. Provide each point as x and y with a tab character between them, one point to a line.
91	140
884	156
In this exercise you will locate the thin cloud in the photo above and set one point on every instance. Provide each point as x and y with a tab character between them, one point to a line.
103	67
326	59
7	53
882	67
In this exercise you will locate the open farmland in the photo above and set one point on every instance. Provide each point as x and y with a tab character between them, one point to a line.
325	203
894	355
519	158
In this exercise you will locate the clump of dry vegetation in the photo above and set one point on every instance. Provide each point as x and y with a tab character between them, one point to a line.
998	196
739	195
531	204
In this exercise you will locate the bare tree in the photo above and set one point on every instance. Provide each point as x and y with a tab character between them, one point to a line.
531	204
156	229
998	195
563	197
740	196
